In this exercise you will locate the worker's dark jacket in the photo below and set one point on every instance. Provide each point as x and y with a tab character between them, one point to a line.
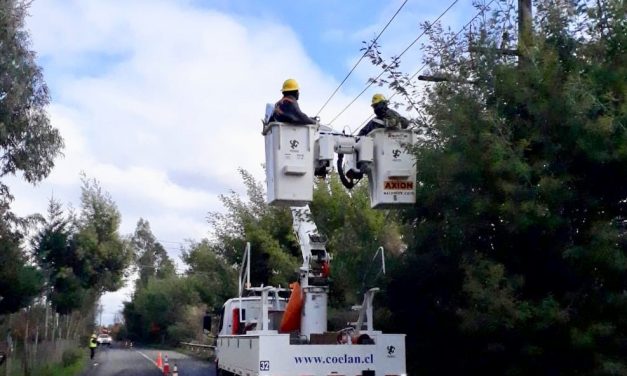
388	118
287	111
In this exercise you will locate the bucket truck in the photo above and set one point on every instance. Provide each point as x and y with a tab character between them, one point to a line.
262	333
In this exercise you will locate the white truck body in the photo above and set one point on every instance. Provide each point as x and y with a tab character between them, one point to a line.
270	353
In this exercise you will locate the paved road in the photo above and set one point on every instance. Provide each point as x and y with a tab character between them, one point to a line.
141	362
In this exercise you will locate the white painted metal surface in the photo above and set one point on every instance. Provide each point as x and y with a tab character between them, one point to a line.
273	355
294	151
314	313
289	163
392	179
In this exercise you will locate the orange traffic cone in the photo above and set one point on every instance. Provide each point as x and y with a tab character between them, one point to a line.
159	361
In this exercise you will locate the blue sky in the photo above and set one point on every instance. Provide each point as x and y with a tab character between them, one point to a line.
161	100
333	31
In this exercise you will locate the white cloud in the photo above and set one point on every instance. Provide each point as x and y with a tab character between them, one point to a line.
161	102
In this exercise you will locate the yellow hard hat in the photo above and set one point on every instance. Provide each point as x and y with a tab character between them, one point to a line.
93	335
290	85
377	98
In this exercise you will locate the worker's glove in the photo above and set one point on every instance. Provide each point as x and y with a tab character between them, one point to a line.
391	123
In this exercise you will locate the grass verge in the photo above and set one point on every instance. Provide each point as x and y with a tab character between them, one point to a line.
59	369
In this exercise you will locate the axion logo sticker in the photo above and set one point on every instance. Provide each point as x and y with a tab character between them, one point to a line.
391	349
294	144
396	153
398	185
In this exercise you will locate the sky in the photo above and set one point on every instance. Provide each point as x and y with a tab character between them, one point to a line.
161	101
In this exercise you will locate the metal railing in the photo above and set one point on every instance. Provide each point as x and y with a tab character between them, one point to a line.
198	348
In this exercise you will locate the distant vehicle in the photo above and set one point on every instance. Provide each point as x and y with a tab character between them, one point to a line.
104	339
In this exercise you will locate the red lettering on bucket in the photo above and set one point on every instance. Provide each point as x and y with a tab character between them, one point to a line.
398	185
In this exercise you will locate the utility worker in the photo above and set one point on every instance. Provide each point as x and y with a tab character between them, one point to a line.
287	110
93	344
385	117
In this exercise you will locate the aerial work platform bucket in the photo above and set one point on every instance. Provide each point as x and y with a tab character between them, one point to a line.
392	179
289	163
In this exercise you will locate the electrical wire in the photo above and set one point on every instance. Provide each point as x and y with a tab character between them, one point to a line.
361	58
396	59
452	39
413	76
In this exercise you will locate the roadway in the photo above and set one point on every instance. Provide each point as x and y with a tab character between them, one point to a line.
141	362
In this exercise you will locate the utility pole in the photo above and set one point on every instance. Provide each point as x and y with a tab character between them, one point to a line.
525	28
525	39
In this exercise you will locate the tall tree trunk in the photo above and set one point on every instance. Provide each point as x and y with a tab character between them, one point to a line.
36	345
54	330
46	313
67	326
25	356
9	339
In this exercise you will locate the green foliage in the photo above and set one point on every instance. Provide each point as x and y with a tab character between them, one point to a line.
84	257
105	254
158	307
188	326
151	258
28	143
212	277
354	233
58	257
20	282
517	259
77	360
275	253
344	217
71	356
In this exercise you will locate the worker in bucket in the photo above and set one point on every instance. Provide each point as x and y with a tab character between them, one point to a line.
385	117
287	110
92	345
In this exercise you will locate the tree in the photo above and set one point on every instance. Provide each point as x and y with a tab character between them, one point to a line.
210	274
517	260
58	256
151	258
353	229
20	282
275	253
158	307
355	232
105	254
28	142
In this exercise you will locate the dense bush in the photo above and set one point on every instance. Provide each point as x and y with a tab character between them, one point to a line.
71	356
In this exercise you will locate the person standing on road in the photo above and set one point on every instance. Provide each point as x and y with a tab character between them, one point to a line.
92	345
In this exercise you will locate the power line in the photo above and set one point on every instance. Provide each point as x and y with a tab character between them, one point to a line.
361	58
436	54
452	39
396	58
